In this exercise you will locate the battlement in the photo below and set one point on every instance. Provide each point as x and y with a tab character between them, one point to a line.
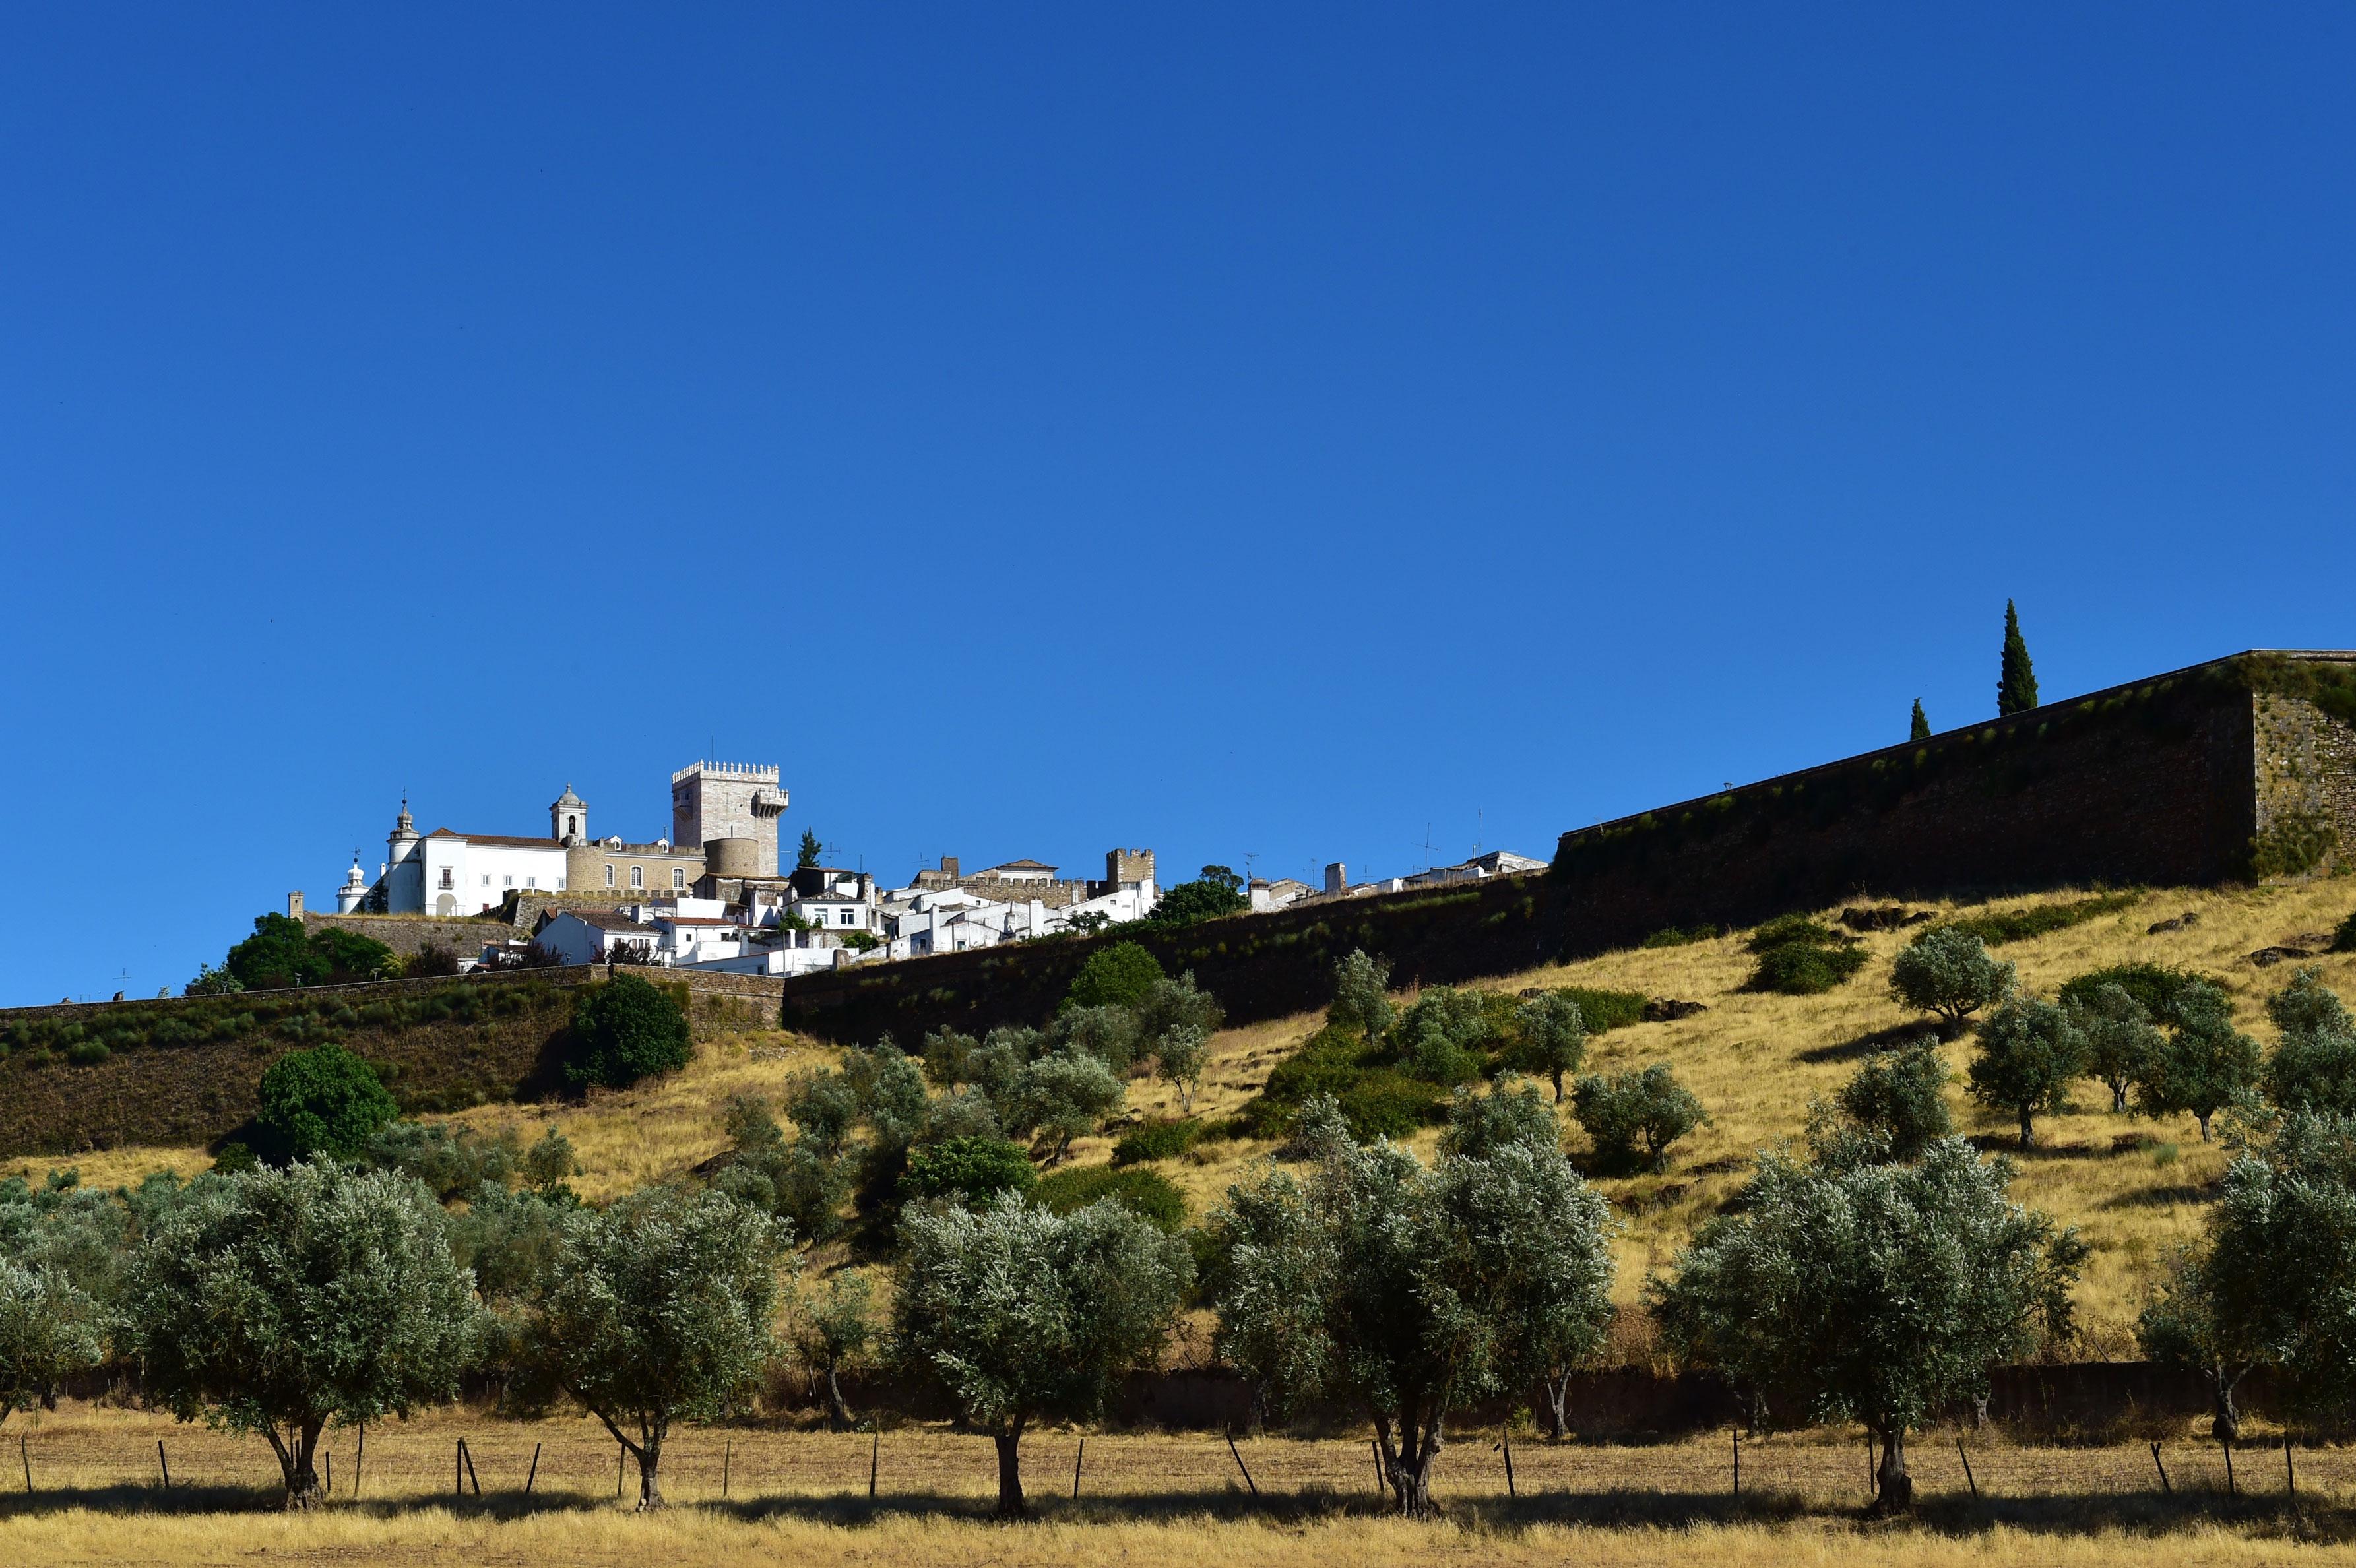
756	773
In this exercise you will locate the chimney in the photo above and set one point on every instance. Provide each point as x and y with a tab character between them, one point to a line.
1336	879
295	906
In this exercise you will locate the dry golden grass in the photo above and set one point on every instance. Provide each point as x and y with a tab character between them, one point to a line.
1147	1499
2135	1188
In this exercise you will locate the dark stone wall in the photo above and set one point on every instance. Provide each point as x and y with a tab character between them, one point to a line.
2152	783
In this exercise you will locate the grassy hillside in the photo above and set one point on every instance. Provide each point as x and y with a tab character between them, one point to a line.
2135	1188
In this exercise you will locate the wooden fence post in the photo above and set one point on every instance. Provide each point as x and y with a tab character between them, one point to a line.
2165	1489
166	1464
2232	1489
1239	1462
535	1470
26	1455
1081	1453
468	1455
1505	1441
727	1455
1969	1479
874	1454
2290	1471
359	1459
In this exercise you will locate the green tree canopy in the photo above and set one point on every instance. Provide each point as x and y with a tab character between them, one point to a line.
1900	1098
971	1171
2314	1063
1550	1036
283	952
1918	728
662	1309
321	1100
1948	972
1121	975
2016	686
1880	1294
1021	1314
834	1330
2204	1064
624	1029
811	852
1361	998
1216	891
2119	1034
1627	1113
2029	1051
1411	1290
277	1301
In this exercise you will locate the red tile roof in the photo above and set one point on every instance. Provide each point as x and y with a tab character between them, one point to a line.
500	839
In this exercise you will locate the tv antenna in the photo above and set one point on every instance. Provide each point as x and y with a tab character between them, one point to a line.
1427	847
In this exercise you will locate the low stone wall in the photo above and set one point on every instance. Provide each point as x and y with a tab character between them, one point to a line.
405	934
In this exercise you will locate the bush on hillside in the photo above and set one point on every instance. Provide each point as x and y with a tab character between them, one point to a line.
1947	971
321	1100
626	1029
1156	1140
1799	957
1900	1096
280	953
2156	987
1997	927
971	1171
1150	1195
1217	891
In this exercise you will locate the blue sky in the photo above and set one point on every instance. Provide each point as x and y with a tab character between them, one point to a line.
1264	431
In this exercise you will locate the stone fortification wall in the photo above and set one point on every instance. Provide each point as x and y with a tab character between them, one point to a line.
405	934
2156	783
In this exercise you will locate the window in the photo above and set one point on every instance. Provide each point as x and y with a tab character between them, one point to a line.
849	918
445	876
638	877
531	881
486	878
504	881
559	884
609	876
678	877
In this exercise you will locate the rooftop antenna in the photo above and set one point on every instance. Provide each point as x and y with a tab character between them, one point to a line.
1426	846
1249	855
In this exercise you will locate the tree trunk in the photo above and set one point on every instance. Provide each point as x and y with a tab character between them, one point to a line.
1895	1487
650	1470
2119	1096
1408	1467
2204	1126
2225	1427
297	1453
1557	1086
1010	1474
838	1414
2028	1128
1558	1394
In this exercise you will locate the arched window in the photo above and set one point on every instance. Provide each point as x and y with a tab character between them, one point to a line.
638	877
609	876
678	877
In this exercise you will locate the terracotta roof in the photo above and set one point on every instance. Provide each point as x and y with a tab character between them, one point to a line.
604	920
501	839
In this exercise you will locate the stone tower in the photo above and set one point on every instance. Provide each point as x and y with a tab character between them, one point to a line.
728	800
568	818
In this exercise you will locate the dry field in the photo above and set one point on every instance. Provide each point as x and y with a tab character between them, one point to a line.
2136	1189
1145	1499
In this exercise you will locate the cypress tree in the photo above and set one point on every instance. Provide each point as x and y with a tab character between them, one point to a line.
2016	688
1921	728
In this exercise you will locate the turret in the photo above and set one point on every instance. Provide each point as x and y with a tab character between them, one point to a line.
568	818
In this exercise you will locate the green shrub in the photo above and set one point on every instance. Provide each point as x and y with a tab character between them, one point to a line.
1902	1096
1800	956
626	1029
1602	1011
2156	987
972	1170
86	1052
1390	1104
321	1100
1947	971
1148	1194
1997	926
1156	1140
1672	936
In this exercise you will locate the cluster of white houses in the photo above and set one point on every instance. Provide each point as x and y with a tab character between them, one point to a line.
714	896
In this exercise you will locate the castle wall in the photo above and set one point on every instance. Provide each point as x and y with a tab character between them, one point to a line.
2157	782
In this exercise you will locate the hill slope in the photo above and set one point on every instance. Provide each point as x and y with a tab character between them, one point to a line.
2136	1189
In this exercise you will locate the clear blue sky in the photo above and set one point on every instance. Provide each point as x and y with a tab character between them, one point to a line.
1255	431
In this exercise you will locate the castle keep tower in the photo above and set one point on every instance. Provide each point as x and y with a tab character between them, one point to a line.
728	800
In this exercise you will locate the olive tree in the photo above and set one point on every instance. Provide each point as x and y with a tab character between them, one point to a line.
1361	1000
277	1301
1880	1292
1061	1096
834	1331
2119	1034
1948	972
2273	1283
1901	1096
661	1310
1627	1113
2314	1063
2030	1052
1411	1290
1180	1056
2204	1063
60	1266
1021	1314
1552	1036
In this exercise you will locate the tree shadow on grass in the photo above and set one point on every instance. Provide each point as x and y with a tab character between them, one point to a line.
1871	1043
